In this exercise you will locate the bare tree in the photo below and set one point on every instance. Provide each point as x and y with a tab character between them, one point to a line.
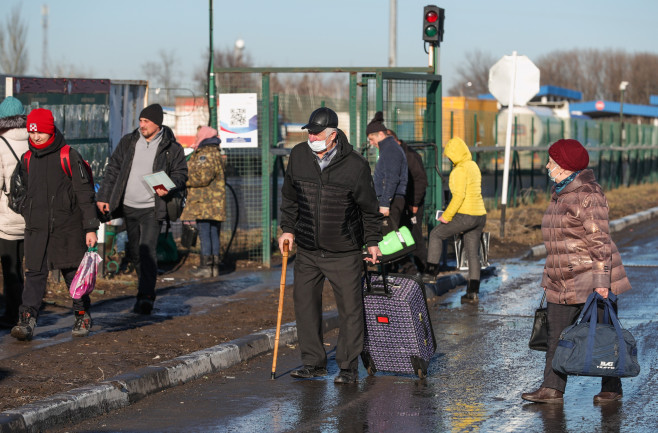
598	73
227	83
13	53
63	69
473	75
162	74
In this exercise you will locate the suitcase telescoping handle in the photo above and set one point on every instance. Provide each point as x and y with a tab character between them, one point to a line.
369	288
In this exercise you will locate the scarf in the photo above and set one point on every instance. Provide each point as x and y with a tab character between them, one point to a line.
562	184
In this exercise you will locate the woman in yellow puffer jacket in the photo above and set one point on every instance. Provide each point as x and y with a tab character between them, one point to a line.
465	214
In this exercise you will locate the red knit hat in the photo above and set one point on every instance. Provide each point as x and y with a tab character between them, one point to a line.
569	154
41	120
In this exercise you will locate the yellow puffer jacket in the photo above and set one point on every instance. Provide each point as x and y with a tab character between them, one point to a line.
465	182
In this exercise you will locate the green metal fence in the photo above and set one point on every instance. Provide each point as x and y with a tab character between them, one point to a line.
408	101
277	114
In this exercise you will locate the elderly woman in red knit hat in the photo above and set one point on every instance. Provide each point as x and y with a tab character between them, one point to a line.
60	221
581	258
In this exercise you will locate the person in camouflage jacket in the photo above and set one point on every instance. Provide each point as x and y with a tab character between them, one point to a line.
206	197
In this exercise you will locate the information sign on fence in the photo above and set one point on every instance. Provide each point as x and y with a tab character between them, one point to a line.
238	119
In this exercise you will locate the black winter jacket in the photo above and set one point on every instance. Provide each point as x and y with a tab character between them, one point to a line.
417	181
58	210
170	158
333	212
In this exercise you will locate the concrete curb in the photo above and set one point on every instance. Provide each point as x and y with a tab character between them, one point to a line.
120	391
93	400
615	226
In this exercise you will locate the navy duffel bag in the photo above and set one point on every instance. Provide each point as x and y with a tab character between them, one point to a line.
588	348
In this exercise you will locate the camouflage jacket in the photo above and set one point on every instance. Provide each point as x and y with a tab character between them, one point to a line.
206	186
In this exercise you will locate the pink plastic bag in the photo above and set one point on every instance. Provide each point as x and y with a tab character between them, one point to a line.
85	278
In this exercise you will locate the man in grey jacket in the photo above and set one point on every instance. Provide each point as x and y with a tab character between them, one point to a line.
149	149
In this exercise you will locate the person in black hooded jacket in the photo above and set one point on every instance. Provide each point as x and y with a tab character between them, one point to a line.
124	193
329	209
60	221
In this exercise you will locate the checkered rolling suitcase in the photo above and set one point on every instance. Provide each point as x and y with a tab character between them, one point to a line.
398	334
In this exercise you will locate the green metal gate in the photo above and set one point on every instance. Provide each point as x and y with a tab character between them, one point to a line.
411	97
411	104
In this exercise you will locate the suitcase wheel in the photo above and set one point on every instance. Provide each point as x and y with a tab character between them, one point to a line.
368	363
420	366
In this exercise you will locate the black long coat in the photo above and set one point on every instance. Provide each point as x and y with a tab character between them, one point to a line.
59	211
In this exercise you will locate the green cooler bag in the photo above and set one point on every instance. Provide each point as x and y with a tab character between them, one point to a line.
396	244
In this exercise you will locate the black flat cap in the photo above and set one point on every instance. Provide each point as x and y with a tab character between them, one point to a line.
321	119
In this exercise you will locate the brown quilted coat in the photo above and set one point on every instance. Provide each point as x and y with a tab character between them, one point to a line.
580	254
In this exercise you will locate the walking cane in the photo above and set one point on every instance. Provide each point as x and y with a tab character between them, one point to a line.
282	288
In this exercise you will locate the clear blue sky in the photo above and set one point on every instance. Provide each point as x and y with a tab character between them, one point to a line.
113	39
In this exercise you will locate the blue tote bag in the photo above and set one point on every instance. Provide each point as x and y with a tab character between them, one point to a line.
588	348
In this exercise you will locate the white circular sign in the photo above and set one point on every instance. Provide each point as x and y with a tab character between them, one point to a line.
526	80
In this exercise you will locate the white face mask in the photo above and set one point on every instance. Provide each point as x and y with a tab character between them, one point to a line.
550	173
319	145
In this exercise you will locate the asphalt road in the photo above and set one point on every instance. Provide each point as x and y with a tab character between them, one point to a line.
481	367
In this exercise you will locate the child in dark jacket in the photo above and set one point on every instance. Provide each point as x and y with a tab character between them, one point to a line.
60	221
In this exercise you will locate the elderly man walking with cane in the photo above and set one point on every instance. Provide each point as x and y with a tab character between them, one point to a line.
330	210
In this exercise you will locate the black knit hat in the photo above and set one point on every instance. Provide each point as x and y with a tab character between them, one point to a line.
153	113
376	124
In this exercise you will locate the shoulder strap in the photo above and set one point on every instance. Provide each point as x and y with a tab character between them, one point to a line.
65	159
10	148
26	159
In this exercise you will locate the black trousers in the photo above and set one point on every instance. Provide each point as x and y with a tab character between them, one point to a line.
420	253
11	253
36	282
143	230
559	317
395	213
344	274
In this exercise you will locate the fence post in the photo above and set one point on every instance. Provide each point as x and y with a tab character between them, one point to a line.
364	111
353	132
532	153
266	214
274	166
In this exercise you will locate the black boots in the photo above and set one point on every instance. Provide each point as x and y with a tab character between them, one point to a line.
431	273
217	266
24	330
472	290
205	267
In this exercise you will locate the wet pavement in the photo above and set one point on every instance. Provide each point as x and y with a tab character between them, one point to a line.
193	297
481	367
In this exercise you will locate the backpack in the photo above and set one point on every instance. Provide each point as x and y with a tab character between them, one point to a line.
17	188
65	161
17	192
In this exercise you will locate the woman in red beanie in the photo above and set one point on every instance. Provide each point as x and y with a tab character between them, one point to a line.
60	221
581	258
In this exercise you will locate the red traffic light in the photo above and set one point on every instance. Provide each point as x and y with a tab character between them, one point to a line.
433	19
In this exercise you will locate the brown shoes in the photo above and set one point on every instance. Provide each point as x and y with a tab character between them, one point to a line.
544	395
550	395
606	397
